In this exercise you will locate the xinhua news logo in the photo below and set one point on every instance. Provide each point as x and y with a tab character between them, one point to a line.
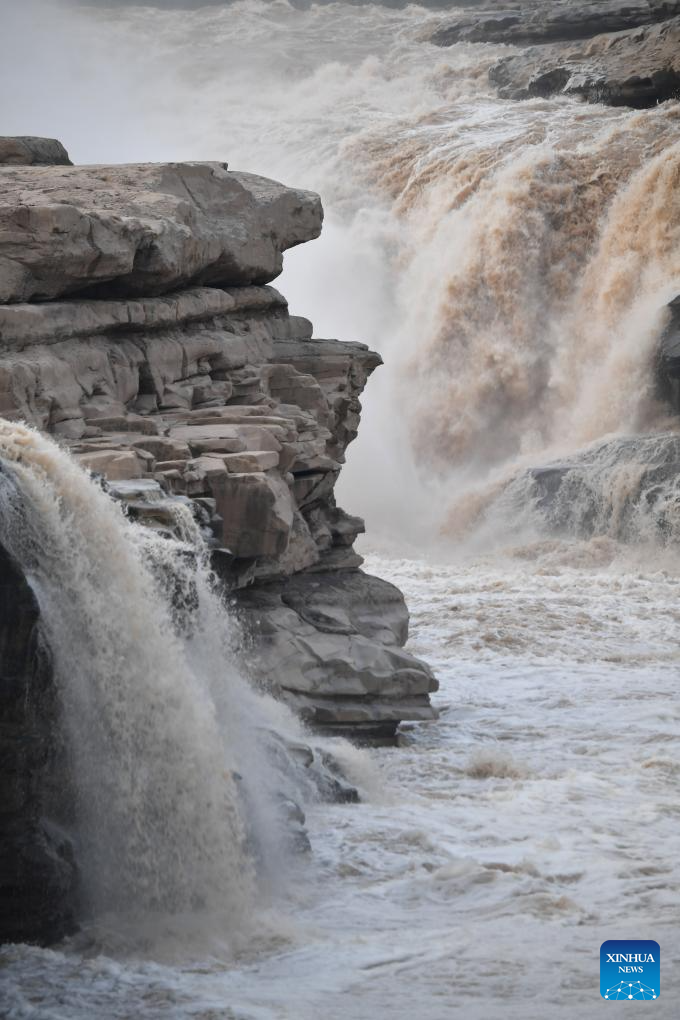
630	969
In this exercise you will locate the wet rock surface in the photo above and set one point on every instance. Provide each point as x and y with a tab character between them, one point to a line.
333	645
668	361
608	52
626	489
539	22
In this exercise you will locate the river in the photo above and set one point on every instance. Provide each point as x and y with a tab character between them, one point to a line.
511	261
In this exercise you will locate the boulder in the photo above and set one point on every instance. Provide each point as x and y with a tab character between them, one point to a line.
257	512
28	151
114	465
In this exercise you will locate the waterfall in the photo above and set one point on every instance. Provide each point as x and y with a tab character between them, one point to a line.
175	759
511	261
623	490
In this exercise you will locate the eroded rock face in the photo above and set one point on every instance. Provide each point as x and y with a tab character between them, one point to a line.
170	369
333	645
144	229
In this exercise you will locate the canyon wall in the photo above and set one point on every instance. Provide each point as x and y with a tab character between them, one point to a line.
138	326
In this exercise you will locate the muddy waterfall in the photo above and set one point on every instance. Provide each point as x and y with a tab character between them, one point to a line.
212	520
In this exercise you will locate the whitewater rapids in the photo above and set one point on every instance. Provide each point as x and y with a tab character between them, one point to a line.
540	815
538	818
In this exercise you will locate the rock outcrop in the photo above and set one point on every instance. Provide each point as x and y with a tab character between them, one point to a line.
605	52
534	21
626	489
29	151
638	68
138	326
125	231
162	358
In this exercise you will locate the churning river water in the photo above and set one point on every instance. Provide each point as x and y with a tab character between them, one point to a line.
511	262
495	849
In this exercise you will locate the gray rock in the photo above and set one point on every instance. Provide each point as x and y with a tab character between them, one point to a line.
637	68
144	229
331	644
212	397
27	151
627	489
537	21
257	512
668	362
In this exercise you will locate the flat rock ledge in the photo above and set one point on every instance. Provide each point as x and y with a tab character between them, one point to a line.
124	231
138	326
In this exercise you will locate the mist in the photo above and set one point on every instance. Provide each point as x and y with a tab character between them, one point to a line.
485	356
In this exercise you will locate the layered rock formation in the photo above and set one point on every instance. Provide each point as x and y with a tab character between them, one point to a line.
638	68
619	54
535	21
138	326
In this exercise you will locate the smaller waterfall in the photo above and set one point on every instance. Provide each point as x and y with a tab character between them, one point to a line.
177	768
626	489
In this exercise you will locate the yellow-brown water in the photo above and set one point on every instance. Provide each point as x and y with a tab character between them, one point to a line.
512	263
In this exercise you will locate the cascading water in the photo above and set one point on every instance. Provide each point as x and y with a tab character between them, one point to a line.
512	262
172	755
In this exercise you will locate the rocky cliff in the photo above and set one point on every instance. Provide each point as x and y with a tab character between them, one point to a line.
608	52
138	326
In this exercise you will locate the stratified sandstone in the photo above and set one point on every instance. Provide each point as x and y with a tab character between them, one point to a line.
127	231
137	327
209	393
332	644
